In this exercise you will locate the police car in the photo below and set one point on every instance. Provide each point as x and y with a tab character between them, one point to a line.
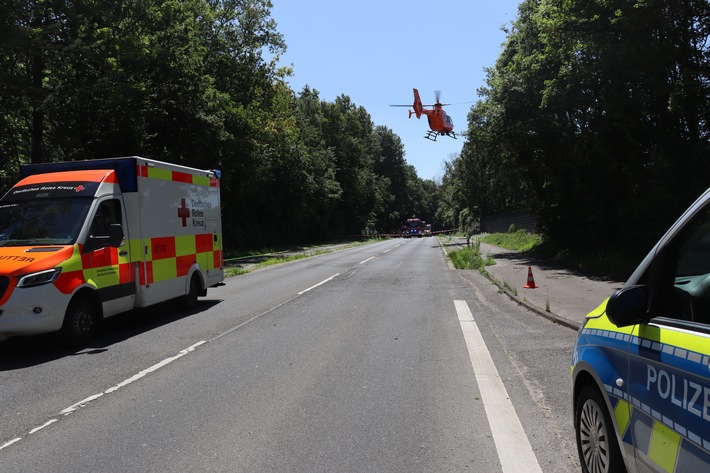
641	363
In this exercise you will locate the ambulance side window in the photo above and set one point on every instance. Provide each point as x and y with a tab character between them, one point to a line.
108	213
684	283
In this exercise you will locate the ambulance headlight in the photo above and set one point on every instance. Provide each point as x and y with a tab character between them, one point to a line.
40	278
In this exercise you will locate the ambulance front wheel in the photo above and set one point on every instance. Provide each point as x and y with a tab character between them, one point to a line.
80	322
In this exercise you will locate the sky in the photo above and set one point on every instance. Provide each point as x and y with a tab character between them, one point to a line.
377	51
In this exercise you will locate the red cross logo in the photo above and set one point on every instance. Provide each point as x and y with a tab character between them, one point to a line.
183	212
79	188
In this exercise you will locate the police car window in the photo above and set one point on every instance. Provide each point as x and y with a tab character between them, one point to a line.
689	263
108	213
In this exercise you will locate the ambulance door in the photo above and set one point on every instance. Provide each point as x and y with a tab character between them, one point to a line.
110	268
669	382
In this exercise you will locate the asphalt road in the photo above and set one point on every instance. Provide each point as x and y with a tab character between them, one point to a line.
378	358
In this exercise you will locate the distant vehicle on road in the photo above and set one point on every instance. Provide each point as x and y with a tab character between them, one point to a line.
640	377
412	228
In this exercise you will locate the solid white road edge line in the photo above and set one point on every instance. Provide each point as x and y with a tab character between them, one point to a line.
514	450
319	284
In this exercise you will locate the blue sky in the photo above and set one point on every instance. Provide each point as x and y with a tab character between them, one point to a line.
375	52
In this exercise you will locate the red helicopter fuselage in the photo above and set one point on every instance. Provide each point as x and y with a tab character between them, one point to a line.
440	122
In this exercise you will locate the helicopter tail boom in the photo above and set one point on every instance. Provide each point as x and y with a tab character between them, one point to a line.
417	105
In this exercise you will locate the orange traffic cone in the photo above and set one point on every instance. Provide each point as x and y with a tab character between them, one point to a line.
531	281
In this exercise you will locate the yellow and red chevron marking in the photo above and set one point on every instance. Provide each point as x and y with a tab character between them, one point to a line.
74	267
176	176
166	264
172	257
72	272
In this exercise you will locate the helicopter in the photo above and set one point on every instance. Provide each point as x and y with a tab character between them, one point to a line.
440	123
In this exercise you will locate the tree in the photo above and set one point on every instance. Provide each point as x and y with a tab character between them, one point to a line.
197	83
597	108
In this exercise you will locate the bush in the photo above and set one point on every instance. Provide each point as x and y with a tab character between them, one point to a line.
470	258
466	258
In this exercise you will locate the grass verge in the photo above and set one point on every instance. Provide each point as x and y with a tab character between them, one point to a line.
470	258
519	240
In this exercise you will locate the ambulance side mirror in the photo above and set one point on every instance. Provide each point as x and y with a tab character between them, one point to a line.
113	239
115	235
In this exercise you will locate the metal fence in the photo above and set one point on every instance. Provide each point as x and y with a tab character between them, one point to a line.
500	223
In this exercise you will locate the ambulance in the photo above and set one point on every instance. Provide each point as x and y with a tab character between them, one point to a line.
641	363
85	240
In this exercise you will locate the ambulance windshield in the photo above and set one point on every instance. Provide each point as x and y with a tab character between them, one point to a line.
42	222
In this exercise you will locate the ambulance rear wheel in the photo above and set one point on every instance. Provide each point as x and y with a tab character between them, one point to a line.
190	299
596	439
80	322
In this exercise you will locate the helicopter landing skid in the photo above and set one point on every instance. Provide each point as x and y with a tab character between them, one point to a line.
432	135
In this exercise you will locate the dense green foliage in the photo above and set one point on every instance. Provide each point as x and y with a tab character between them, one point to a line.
197	83
594	117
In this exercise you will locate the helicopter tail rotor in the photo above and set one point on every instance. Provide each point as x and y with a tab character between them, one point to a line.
418	106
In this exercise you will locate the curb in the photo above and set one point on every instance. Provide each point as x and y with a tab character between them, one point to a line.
554	318
557	319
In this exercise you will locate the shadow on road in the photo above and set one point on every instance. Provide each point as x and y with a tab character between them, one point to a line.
23	352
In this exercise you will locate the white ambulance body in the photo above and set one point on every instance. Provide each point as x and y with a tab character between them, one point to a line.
81	241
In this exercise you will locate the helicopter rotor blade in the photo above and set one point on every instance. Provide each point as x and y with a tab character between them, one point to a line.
437	96
423	105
